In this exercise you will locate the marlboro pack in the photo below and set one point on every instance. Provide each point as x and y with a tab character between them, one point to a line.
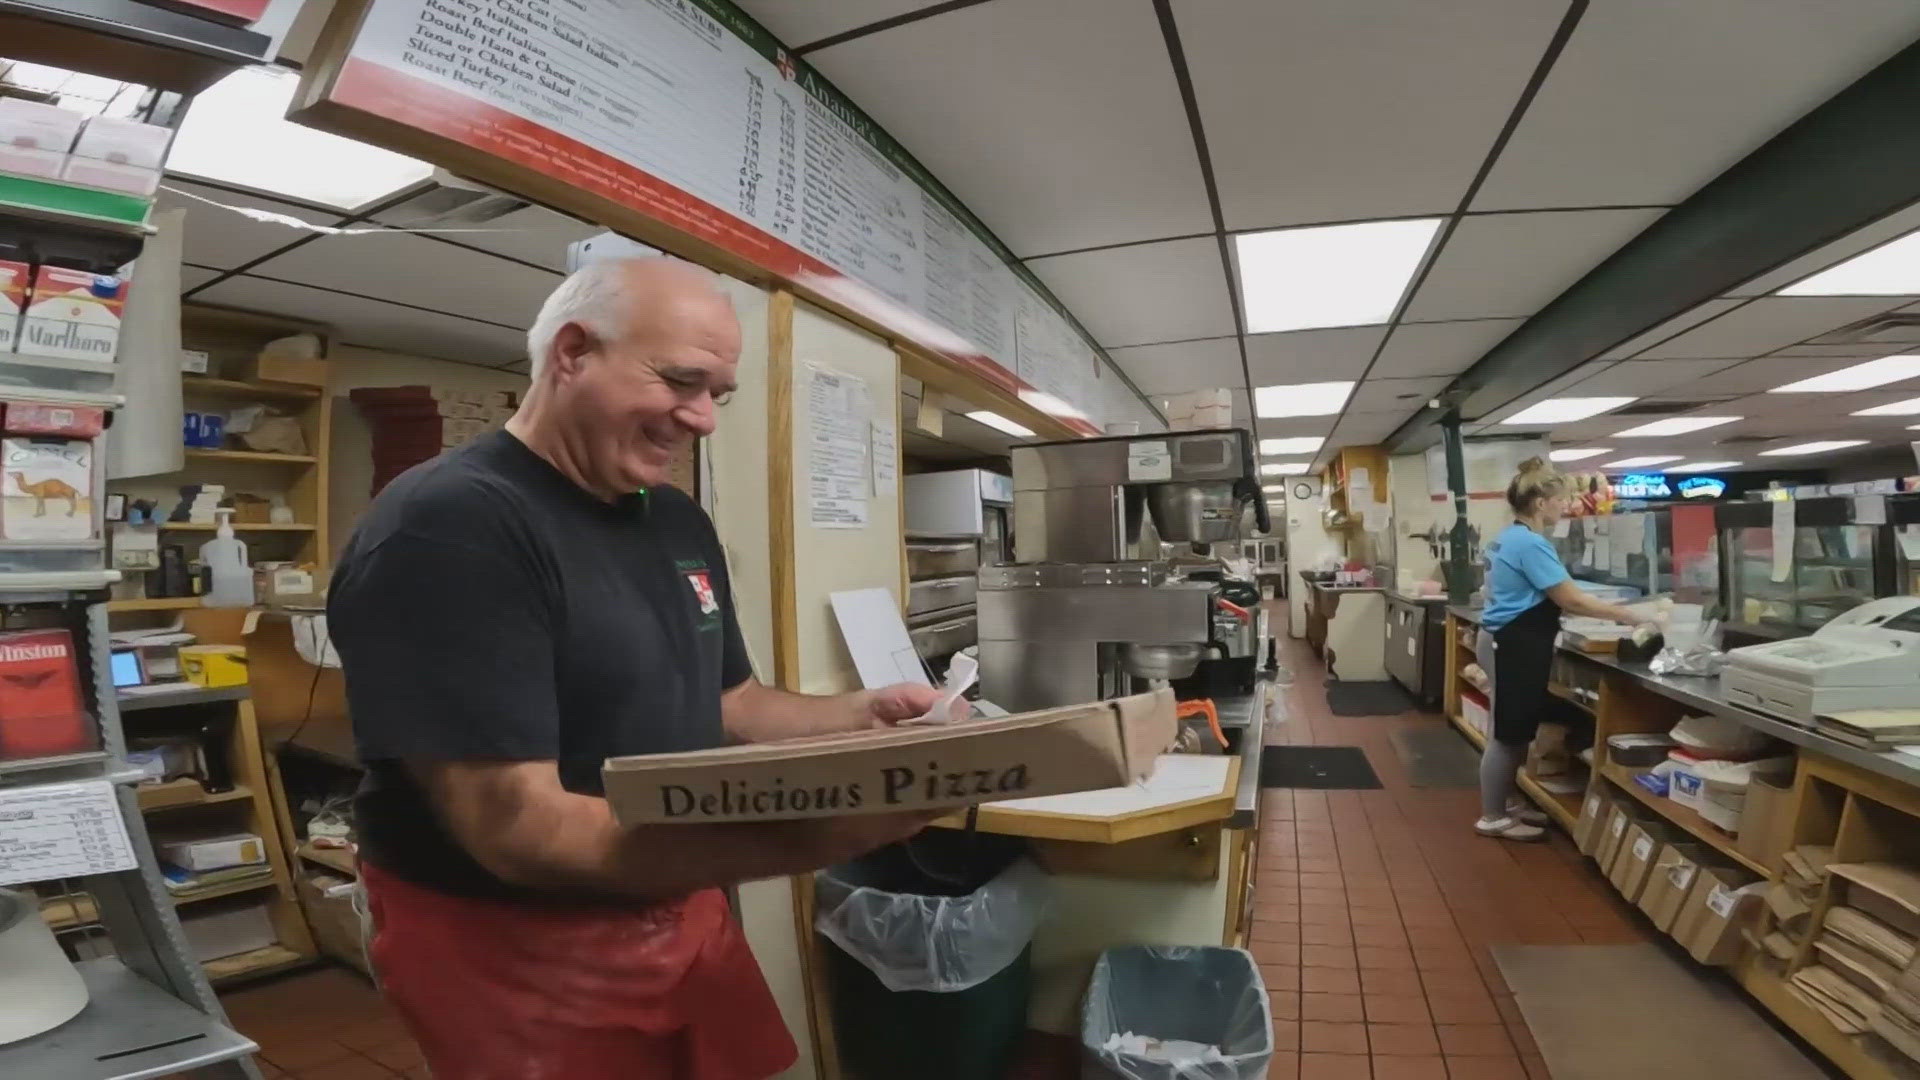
13	297
73	314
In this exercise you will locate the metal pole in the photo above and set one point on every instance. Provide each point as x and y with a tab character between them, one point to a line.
1459	588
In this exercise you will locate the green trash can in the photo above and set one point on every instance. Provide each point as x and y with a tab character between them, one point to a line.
928	956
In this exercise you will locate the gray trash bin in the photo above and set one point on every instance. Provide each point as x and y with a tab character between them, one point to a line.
1203	993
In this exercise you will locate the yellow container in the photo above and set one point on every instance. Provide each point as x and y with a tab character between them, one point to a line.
214	665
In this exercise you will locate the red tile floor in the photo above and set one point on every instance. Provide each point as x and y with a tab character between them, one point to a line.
1373	918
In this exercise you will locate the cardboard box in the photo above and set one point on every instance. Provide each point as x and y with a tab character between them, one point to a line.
32	125
328	901
1761	818
218	930
1634	861
1050	752
1593	822
123	142
214	852
73	314
299	371
1669	882
214	665
1619	819
1715	912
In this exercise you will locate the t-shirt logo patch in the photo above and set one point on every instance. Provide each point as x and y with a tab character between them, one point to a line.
703	591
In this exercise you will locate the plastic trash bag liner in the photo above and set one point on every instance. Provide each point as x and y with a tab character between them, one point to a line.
1204	994
920	925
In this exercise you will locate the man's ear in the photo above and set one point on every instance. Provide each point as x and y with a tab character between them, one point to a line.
571	348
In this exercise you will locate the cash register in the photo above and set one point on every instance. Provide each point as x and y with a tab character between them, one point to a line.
1868	658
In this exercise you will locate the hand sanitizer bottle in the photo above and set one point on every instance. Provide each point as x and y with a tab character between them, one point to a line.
230	576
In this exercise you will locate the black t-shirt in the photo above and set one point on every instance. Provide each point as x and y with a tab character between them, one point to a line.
487	608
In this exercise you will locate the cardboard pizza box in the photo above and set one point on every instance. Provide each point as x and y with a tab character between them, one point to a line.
1050	752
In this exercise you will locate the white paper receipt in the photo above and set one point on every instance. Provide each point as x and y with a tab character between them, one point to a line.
1149	461
50	831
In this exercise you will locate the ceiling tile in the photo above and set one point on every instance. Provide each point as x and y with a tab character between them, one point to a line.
1399	396
1283	88
1446	348
1756	376
1366	429
1147	293
1643	378
1312	355
797	24
1513	264
1872	235
215	236
1289	426
415	270
1769	323
1651	98
192	277
535	234
1210	363
1059	124
374	324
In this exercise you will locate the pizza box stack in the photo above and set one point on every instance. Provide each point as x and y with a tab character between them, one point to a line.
908	768
414	423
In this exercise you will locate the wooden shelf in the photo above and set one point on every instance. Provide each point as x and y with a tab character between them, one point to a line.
235	388
1564	809
158	603
185	791
253	964
1567	695
189	526
197	454
1478	740
226	888
338	860
66	913
1687	819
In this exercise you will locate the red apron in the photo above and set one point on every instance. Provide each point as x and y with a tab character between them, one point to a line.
498	990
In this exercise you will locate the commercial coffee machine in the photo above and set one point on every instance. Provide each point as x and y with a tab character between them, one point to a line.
1089	607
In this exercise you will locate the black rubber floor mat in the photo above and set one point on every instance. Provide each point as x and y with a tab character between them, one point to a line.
1436	756
1367	698
1331	768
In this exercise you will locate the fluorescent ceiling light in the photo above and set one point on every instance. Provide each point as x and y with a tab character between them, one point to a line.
236	132
1576	455
1675	425
999	423
1274	488
1301	399
1566	410
1892	269
1284	468
1814	447
1299	444
1909	407
1887	369
1703	466
1329	275
1641	462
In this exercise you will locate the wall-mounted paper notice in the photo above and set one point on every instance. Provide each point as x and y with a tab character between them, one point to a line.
51	831
839	441
1563	528
886	460
1869	509
1782	539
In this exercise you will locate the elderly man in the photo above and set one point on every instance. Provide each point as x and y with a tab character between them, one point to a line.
511	614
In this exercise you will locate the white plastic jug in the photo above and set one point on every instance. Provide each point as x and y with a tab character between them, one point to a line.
225	557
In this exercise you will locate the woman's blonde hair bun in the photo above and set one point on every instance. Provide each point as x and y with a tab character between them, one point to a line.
1536	480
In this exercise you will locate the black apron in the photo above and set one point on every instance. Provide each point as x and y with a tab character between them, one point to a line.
1522	664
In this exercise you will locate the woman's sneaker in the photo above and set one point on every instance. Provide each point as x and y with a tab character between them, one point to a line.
1509	828
1522	810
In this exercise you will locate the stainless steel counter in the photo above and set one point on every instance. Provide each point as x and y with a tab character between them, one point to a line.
1703	695
1253	736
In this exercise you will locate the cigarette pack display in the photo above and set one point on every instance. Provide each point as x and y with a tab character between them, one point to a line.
1051	752
25	161
14	278
40	418
46	489
74	314
123	142
31	125
42	713
132	179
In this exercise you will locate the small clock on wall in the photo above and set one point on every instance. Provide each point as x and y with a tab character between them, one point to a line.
1304	489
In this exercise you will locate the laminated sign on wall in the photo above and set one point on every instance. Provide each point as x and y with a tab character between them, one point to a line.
839	435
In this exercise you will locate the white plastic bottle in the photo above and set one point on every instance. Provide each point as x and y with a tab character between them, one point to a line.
230	576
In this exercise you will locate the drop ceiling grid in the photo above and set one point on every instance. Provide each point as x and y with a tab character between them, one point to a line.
1155	292
221	238
1182	366
1758	326
1512	265
1740	69
420	271
376	324
1106	155
801	24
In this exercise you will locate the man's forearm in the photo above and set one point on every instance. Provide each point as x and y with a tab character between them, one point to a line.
753	712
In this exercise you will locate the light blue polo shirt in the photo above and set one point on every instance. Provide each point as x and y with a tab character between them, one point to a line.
1521	567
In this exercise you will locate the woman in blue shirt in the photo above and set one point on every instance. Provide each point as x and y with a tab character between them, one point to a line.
1526	591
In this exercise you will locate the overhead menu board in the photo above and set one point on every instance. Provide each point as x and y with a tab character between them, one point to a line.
689	114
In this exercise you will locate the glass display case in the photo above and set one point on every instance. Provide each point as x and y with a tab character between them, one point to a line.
1792	579
1903	514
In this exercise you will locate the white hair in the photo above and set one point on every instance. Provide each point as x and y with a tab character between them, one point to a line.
598	296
